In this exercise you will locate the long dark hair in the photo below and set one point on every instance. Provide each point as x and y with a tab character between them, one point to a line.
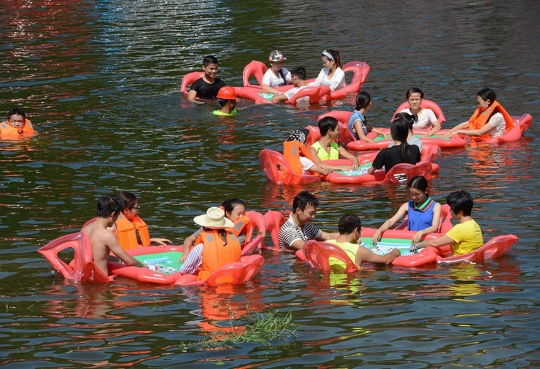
399	131
362	101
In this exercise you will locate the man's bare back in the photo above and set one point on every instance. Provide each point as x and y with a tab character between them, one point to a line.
103	242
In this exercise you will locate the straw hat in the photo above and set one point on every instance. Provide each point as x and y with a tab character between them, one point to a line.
214	219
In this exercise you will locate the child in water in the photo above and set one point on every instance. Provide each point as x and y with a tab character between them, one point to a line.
227	100
423	212
206	87
464	237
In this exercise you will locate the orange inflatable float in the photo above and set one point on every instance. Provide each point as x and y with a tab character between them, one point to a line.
286	168
360	71
163	262
318	256
315	94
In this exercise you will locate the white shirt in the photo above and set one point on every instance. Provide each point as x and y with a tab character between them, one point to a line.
307	164
290	93
271	80
425	118
498	124
335	83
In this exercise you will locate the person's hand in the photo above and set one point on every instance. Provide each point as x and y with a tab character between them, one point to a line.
448	135
415	247
184	257
376	238
161	241
396	251
417	236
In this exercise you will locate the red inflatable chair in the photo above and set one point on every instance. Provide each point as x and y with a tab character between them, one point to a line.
278	170
425	104
274	221
254	68
188	80
82	268
257	227
318	256
493	249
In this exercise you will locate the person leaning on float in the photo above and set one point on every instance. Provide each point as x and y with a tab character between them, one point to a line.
215	245
235	211
488	121
276	75
129	225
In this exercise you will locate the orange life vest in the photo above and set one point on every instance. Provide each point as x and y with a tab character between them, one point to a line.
240	225
215	252
27	130
479	119
126	232
292	150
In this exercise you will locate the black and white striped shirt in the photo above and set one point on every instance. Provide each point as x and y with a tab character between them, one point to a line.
290	233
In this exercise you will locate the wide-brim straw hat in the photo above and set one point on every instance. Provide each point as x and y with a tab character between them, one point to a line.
214	219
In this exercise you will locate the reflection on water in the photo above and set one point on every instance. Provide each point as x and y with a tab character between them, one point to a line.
100	80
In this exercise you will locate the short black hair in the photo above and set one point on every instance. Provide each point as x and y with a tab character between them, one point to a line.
16	111
348	223
303	199
299	72
209	59
460	201
109	205
326	124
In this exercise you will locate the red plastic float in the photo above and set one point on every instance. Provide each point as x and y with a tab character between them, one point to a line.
317	256
257	69
425	104
82	267
274	221
315	94
188	80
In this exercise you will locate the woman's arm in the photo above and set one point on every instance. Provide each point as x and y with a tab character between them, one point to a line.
360	131
348	155
453	131
436	128
475	132
403	209
269	89
379	132
188	242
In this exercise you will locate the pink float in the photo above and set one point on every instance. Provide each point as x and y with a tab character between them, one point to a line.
318	255
256	68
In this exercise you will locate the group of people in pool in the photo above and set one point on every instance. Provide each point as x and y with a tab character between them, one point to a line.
210	87
423	217
489	120
223	229
118	228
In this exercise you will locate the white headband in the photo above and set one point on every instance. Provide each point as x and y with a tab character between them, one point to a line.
328	55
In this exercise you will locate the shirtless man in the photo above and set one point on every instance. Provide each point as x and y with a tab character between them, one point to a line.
104	241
